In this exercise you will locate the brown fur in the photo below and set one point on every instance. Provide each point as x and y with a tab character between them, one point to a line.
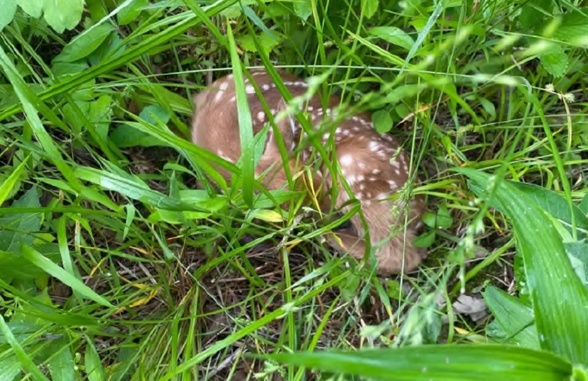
374	166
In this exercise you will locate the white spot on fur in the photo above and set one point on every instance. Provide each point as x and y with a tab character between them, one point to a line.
265	87
249	89
374	146
346	160
261	116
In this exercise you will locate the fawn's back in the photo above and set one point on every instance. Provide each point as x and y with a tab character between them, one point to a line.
373	165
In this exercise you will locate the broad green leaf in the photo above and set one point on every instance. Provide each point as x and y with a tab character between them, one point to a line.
557	293
9	368
85	43
553	203
578	252
19	228
129	13
100	115
393	35
128	136
584	204
533	13
573	27
513	318
93	364
26	363
443	218
303	9
369	7
33	8
60	69
7	12
63	14
402	92
382	121
7	187
264	40
437	362
61	363
555	61
66	278
14	266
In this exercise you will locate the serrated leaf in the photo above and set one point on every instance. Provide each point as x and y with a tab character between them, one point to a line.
84	44
266	42
7	12
573	27
556	292
555	61
63	14
393	35
33	8
437	362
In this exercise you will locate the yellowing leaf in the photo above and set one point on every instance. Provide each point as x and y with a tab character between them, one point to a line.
268	215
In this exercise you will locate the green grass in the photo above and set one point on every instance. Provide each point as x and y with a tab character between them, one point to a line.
125	256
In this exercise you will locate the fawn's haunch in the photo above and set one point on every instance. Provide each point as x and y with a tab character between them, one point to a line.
374	166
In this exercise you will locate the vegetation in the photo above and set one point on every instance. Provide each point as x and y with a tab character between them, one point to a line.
120	260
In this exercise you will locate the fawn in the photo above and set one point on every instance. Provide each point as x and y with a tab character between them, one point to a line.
373	165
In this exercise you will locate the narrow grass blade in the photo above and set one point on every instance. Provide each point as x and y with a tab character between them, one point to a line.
560	300
133	190
245	122
8	184
438	362
55	271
